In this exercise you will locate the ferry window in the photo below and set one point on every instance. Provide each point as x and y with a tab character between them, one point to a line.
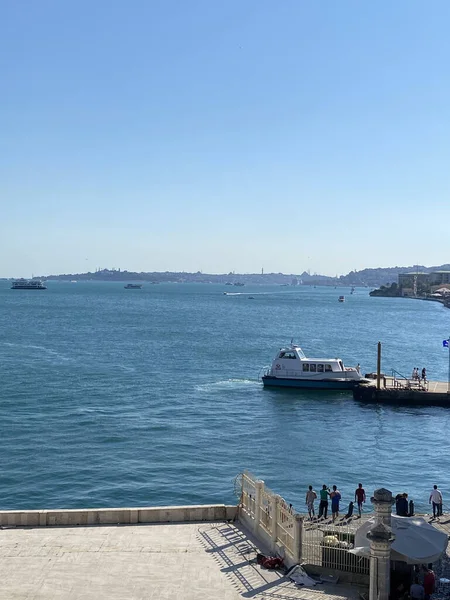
289	355
306	367
320	368
328	368
282	354
312	368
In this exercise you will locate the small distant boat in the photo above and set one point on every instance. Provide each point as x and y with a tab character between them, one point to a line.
239	283
291	368
341	298
28	284
251	297
73	281
228	283
133	286
352	291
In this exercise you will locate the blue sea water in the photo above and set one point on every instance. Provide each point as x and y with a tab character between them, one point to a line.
114	397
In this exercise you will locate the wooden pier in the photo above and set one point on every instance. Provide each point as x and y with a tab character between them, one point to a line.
399	390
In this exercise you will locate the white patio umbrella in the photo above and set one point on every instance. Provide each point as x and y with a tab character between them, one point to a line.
416	541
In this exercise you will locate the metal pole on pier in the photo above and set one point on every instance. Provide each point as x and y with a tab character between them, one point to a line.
448	379
379	365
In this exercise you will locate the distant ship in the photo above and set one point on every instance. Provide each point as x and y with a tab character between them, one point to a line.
133	286
28	284
239	283
341	298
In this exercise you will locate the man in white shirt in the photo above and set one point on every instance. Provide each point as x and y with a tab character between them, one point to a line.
310	497
436	500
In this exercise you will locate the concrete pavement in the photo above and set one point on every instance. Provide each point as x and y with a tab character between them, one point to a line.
186	561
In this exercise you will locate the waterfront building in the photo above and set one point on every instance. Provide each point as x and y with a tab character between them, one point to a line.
411	284
439	277
415	283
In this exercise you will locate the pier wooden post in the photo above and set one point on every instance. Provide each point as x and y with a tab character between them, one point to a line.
378	365
259	487
448	379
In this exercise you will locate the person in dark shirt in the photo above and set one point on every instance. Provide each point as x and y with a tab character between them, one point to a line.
335	497
323	506
401	505
360	497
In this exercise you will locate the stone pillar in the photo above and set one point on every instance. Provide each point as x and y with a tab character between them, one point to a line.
298	538
382	501
259	487
381	538
275	500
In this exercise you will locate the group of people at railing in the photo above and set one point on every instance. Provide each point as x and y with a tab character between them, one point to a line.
416	376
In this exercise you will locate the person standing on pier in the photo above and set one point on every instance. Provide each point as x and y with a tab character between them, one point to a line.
436	500
360	497
310	497
424	374
323	506
335	497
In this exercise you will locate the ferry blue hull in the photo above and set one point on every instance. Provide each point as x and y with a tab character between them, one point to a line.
351	384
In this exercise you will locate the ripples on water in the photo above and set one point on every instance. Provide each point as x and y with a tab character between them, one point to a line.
114	397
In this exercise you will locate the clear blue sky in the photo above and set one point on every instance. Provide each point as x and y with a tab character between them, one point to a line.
217	136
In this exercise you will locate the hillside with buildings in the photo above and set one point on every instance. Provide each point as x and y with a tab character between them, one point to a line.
431	284
372	278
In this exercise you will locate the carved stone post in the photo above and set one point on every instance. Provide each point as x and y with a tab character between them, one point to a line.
383	501
275	500
381	538
298	538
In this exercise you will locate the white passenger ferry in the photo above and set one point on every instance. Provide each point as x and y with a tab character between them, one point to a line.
28	284
291	368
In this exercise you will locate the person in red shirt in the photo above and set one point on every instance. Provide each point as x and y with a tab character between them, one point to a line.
360	497
429	582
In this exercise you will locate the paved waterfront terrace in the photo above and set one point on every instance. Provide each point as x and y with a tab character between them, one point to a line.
210	558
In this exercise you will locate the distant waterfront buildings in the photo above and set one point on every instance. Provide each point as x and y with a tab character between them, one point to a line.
412	284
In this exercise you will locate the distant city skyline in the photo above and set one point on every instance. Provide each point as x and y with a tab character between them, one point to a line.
209	137
261	273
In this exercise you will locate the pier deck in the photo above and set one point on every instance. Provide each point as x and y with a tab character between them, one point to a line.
405	391
201	561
